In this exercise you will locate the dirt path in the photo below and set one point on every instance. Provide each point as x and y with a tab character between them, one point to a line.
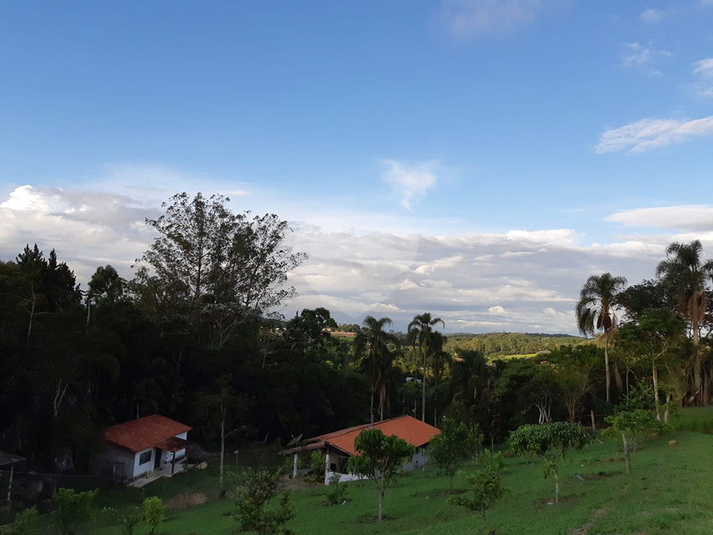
584	530
183	501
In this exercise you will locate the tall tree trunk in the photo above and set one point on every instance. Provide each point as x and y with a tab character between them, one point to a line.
697	382
627	458
668	404
617	377
557	486
435	403
606	367
222	453
381	500
423	391
371	408
657	400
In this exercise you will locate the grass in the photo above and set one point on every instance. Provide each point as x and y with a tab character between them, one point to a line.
699	419
669	491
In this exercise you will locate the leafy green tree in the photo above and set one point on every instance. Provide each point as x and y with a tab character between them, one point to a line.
687	274
485	486
638	298
74	510
573	380
254	511
457	442
105	286
379	458
221	407
634	426
595	312
128	518
372	344
551	442
657	335
421	332
24	522
154	512
215	266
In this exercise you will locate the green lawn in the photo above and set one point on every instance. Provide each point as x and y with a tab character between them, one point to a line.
668	492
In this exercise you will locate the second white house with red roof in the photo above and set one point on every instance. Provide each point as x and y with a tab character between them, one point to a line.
338	446
141	446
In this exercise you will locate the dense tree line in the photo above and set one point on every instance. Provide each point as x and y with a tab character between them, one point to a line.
495	345
194	336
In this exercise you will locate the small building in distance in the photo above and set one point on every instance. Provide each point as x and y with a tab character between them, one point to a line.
142	446
338	446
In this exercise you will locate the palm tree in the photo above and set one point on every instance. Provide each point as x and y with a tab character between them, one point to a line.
595	311
420	330
685	273
372	343
439	358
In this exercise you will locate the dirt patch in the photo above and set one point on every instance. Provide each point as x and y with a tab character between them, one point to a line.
299	484
601	475
584	530
563	499
186	500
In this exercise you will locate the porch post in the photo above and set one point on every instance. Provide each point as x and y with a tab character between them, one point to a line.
294	466
9	485
173	462
326	469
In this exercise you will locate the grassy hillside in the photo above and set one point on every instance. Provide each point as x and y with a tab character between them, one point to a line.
501	345
668	492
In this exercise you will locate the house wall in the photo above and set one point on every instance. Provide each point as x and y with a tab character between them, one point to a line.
418	460
167	456
114	461
141	469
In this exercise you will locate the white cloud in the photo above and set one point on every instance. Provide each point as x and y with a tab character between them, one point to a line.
467	19
688	217
643	58
410	182
653	133
704	67
517	280
651	16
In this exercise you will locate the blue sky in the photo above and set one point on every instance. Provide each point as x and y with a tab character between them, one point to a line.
475	158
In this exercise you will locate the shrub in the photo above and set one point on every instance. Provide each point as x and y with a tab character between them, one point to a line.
23	522
74	509
336	492
485	486
254	511
154	512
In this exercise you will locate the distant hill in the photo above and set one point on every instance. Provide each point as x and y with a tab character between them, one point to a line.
494	345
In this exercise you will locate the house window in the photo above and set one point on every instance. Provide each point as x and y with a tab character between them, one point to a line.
145	457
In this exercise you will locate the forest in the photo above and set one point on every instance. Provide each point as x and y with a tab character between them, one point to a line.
194	336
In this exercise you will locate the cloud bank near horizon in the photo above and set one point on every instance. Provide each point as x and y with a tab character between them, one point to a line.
519	280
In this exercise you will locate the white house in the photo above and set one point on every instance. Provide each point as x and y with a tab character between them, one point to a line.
140	446
338	446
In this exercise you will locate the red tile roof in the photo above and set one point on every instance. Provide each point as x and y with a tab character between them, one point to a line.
413	431
143	433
